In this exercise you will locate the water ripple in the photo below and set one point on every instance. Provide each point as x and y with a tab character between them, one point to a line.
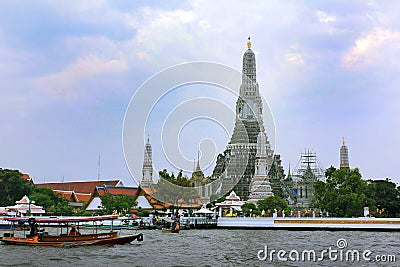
204	248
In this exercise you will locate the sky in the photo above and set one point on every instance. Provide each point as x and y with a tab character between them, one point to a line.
328	69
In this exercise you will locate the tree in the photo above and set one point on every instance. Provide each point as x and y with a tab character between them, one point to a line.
180	179
106	203
271	203
123	204
176	191
343	194
248	208
12	187
62	208
119	203
383	197
44	197
142	213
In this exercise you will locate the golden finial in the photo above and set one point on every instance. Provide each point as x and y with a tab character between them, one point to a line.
343	140
148	138
248	43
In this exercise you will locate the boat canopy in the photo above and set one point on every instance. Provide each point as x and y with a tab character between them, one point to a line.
63	219
203	211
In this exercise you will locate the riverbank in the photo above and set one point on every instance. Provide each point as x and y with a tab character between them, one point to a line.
306	224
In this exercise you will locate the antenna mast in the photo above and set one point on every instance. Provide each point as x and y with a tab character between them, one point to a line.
98	170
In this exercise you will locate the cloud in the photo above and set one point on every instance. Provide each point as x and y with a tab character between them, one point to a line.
85	11
294	58
324	17
373	48
63	83
63	50
163	30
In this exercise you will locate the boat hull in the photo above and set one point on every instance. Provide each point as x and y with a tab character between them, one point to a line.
73	241
169	230
120	240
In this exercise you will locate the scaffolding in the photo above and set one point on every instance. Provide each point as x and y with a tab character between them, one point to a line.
307	160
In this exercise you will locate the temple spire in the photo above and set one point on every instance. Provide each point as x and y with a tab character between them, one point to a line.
198	161
147	169
260	187
344	156
249	152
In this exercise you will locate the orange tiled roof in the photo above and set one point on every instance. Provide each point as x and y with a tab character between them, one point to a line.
71	195
64	194
26	177
79	187
147	190
148	194
116	190
126	191
80	197
101	191
159	206
151	199
193	206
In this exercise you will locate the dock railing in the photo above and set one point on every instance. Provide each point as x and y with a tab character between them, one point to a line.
198	222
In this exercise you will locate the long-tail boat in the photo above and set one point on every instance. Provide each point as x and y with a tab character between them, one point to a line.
171	226
67	235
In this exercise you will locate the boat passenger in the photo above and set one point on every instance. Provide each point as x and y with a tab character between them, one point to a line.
34	230
176	227
74	231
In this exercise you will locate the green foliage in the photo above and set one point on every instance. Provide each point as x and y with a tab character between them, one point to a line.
53	203
383	198
248	208
271	203
107	203
142	213
12	187
256	212
287	211
82	212
343	194
62	208
121	204
44	197
169	189
180	179
221	199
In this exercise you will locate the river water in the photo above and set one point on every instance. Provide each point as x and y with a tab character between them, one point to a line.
219	247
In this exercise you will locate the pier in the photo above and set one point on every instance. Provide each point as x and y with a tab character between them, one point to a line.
306	224
198	223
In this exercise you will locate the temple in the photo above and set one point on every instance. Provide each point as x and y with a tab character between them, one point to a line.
238	165
299	187
201	183
260	186
344	156
147	170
